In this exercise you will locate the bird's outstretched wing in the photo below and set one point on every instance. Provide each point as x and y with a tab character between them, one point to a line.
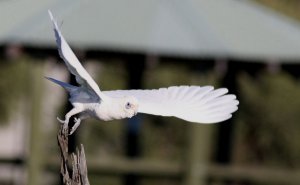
73	64
191	103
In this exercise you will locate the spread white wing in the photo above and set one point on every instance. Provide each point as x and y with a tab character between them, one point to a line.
73	64
191	103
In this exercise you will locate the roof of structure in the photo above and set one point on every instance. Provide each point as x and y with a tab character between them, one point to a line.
190	28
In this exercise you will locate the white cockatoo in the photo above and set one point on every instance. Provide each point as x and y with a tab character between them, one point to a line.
191	103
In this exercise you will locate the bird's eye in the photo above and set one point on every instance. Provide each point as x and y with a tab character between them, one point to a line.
128	105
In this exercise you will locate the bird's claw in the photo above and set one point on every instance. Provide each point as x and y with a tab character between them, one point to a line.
60	120
64	122
75	126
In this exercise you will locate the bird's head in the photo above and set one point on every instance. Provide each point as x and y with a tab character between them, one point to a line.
130	106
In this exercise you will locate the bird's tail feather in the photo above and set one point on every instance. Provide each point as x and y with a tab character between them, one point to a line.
66	86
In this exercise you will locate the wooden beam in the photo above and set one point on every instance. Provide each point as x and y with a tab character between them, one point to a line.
152	168
158	168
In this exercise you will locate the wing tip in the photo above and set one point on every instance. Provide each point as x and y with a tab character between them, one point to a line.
50	14
52	19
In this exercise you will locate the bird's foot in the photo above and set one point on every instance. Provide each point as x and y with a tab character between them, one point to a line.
60	120
64	122
77	123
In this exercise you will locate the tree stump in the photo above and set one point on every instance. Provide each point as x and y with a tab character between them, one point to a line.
78	162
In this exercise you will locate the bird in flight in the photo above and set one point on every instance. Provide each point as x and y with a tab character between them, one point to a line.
191	103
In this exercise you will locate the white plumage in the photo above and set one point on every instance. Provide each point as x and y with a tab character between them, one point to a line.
191	103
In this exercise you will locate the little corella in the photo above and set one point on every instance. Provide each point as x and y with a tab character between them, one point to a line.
191	103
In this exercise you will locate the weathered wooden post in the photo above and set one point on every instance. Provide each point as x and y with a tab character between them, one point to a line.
78	162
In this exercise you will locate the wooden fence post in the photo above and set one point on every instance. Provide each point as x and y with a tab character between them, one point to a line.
198	154
35	155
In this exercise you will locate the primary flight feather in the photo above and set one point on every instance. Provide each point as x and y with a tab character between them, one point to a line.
191	103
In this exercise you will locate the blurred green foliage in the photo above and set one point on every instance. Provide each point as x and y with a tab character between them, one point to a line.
14	84
268	127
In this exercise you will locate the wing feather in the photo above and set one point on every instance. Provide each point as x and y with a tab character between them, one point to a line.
72	63
191	103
